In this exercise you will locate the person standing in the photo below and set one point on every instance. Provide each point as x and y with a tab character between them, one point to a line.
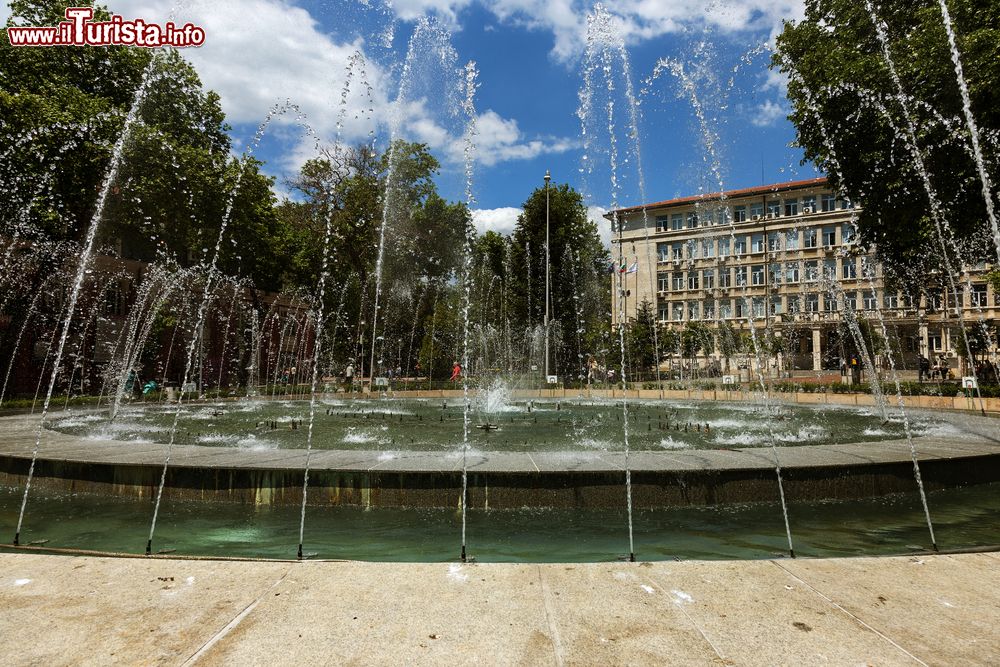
456	372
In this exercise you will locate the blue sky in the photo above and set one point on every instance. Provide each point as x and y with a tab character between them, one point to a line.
530	58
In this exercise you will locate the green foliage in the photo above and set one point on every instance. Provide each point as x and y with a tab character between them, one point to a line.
850	121
640	342
580	285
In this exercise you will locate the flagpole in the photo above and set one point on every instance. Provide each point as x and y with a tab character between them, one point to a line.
547	177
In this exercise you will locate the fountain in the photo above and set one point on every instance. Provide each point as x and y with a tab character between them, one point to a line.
329	399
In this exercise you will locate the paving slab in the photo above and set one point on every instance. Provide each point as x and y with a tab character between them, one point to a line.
943	609
62	610
756	614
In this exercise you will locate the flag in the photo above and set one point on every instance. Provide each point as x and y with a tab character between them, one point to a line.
633	268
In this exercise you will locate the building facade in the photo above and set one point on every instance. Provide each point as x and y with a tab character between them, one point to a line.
782	257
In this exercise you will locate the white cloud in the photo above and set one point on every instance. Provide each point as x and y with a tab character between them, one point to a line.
500	139
638	20
596	215
767	113
500	220
275	52
409	10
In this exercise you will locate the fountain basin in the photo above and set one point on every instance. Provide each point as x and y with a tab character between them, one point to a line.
963	451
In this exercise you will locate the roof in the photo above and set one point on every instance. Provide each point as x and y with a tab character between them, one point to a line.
728	194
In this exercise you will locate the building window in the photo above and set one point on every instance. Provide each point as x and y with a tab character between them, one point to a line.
812	303
709	310
693	309
757	274
847	233
791	272
773	209
678	281
757	243
756	211
791	207
661	223
739	214
793	304
773	242
867	268
890	300
829	203
663	282
845	203
829	303
774	273
776	305
934	342
741	246
708	279
830	269
663	251
725	309
677	251
708	248
724	247
678	311
692	280
812	271
935	300
741	276
849	268
758	307
829	236
664	312
977	296
809	204
850	300
692	220
809	238
741	308
792	239
692	249
676	221
870	301
724	278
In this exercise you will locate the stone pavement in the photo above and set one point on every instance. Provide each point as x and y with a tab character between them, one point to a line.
926	610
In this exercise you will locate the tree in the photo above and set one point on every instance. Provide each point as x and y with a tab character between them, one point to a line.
850	120
640	341
580	287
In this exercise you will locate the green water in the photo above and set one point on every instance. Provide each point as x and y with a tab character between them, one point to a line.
436	425
964	518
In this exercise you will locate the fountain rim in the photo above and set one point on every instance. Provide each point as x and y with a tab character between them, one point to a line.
977	439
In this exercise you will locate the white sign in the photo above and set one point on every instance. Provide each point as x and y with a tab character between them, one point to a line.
552	379
189	387
728	379
381	382
969	383
534	367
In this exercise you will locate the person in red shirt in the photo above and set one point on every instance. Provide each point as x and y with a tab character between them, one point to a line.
456	372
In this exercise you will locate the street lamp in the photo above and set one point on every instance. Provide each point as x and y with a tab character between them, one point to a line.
548	177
